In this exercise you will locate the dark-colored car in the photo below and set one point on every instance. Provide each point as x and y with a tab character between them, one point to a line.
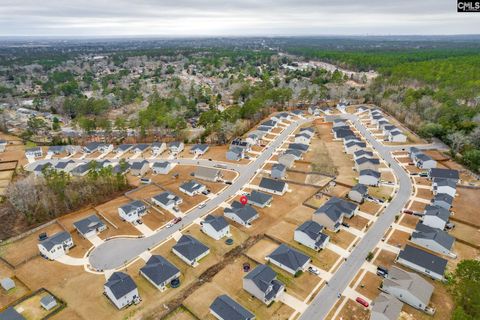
177	220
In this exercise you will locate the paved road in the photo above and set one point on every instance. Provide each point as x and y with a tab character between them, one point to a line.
114	253
324	301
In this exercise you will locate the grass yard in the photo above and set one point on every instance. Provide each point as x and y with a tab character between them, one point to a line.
260	250
32	310
466	233
370	207
417	206
385	259
342	238
381	192
463	208
369	285
12	295
180	313
424	193
353	311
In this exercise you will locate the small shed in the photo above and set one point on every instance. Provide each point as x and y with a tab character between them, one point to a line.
48	302
7	284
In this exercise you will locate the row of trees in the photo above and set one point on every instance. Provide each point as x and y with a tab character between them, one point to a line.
465	286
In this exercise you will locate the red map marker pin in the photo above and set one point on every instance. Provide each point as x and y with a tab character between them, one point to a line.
243	200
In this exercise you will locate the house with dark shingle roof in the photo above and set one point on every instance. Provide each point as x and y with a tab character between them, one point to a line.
277	187
132	211
262	283
190	250
298	154
176	147
289	259
159	272
225	308
259	199
436	217
358	193
443	200
192	188
354	146
423	262
158	148
11	314
424	161
433	239
139	168
56	246
235	153
447	186
288	160
123	148
278	171
206	173
35	152
331	213
386	307
310	235
435	173
215	226
199	149
369	177
121	290
241	214
162	167
298	146
167	200
90	226
367	163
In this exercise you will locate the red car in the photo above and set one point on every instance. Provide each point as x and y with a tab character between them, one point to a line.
177	220
362	302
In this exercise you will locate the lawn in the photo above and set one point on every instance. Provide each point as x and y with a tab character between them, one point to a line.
354	311
385	259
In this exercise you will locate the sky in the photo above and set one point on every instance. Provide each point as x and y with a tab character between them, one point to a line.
233	17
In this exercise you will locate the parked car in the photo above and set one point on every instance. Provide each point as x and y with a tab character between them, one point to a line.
177	220
42	236
246	267
206	191
202	205
145	180
450	225
423	174
362	302
346	225
228	182
407	211
169	225
313	270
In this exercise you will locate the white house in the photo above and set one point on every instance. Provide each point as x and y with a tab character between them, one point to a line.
176	147
192	188
436	217
121	290
56	246
190	250
167	201
397	136
241	214
446	186
369	177
3	145
162	167
215	226
277	187
159	272
35	152
310	235
289	259
90	226
262	283
423	262
199	149
158	148
433	239
132	211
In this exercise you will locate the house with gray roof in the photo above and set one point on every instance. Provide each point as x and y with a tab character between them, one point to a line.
162	167
200	149
255	137
81	170
408	287
367	163
121	290
396	136
298	154
310	235
331	213
265	129
443	200
281	116
158	148
48	302
435	217
358	193
207	174
412	153
303	138
423	262
424	161
235	153
38	170
354	146
176	147
215	226
55	150
241	214
56	246
140	148
190	250
225	308
167	200
65	165
277	187
433	239
89	226
192	188
7	284
132	211
35	152
11	314
3	145
288	160
262	283
447	186
341	132
159	272
369	177
386	307
123	148
435	173
259	199
278	171
269	123
238	142
298	146
289	259
97	146
139	168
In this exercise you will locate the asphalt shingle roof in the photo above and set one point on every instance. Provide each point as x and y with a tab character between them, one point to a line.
423	259
217	222
120	284
158	269
229	309
289	257
56	239
88	224
423	231
189	247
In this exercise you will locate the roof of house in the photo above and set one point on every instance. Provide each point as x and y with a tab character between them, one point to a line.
269	123
141	146
259	197
309	129
189	247
236	150
295	152
442	182
313	230
360	188
298	146
217	222
138	165
396	132
84	167
200	147
167	197
124	147
207	172
132	206
88	224
11	314
227	308
48	299
262	276
161	164
441	237
370	172
342	132
272	184
175	144
444	173
120	284
335	208
39	167
302	134
423	259
56	148
57	238
410	281
289	257
387	305
364	159
244	212
437	211
443	197
423	157
355	143
158	144
33	149
264	128
191	186
63	164
279	167
158	269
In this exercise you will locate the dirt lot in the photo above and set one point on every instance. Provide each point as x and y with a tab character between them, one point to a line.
369	207
463	252
398	238
417	206
180	314
260	250
382	192
370	282
357	222
354	311
219	153
466	233
339	191
422	180
387	176
8	297
409	220
424	194
463	208
385	259
342	239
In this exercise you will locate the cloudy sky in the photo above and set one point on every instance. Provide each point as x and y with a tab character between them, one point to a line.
232	17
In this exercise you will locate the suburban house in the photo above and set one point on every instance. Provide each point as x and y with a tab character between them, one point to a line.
298	146
98	146
11	314
269	123
207	174
159	272
408	287
139	168
255	137
289	259
48	302
81	169
235	153
298	113
162	167
423	262
367	163
278	171
225	308
237	142
167	200
447	186
396	136
354	146
35	152
199	149
436	173
158	148
215	226
132	211
38	170
341	132
424	161
369	177
192	188
442	200
3	145
331	213
264	129
262	283
241	214
121	290
412	153
176	147
386	307
277	187
358	193
433	239
288	160
140	148
90	226
302	138
259	199
436	217
281	116
121	167
54	150
65	165
310	235
123	148
362	153
56	246
190	250
298	154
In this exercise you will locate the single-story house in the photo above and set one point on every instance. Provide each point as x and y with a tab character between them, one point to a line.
369	177
331	213
192	188
447	186
190	250
167	200
386	307
56	246
255	137
289	259
354	146
358	193
225	308
397	136
162	167
443	200
281	116
235	153
436	217
176	147
35	152
262	283
215	226
158	148
241	214
199	149
121	290
159	272
259	199
362	153
132	211
277	187
432	239
412	153
264	129
278	171
48	302
139	168
298	146
89	226
310	235
423	262
408	287
298	154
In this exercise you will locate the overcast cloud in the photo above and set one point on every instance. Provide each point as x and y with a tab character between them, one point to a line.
234	17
